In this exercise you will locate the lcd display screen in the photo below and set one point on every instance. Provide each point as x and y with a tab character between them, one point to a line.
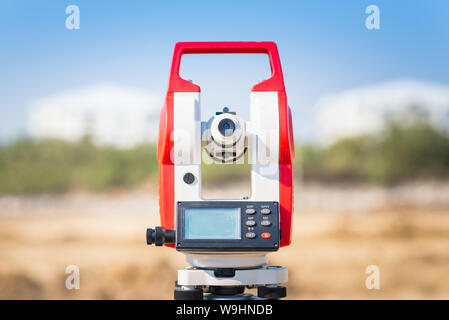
212	223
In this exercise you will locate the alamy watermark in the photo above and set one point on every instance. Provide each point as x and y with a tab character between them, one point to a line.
372	22
373	280
72	22
73	280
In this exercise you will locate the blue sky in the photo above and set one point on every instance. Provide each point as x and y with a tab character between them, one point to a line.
324	48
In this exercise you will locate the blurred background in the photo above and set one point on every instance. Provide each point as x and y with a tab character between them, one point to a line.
79	112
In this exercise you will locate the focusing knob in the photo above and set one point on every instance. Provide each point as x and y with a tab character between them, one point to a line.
159	236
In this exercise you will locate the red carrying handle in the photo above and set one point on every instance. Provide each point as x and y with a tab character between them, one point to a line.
274	83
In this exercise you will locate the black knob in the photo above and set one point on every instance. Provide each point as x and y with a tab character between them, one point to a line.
189	178
150	236
272	292
188	294
159	236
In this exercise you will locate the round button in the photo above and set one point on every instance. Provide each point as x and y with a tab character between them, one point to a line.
250	211
250	235
265	223
266	235
265	211
250	223
189	178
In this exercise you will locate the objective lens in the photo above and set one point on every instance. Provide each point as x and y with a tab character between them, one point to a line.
226	127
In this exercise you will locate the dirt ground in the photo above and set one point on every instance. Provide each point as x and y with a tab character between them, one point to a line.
327	259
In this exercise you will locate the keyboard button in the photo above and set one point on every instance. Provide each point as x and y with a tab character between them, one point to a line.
265	223
250	235
266	235
250	223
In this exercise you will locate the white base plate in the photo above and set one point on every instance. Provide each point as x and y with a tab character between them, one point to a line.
245	277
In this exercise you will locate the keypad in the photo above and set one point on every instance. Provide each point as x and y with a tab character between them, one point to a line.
258	215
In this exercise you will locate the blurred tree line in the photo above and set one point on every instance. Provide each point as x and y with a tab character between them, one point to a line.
408	148
405	149
54	166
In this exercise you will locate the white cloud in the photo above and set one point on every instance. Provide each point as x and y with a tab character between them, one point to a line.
362	110
112	114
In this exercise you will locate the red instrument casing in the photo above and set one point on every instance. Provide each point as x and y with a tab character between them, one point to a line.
286	144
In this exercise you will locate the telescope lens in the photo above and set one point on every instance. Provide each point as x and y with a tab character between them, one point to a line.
226	127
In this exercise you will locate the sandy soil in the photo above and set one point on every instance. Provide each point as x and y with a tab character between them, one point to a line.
327	259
